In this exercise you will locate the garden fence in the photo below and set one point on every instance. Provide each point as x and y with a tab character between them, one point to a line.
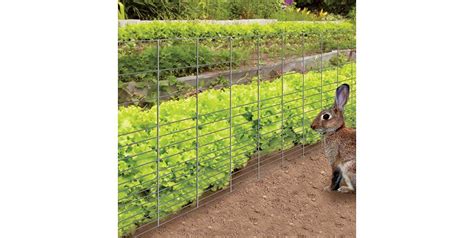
200	116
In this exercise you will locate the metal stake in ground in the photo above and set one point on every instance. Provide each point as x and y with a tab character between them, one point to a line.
230	112
282	97
197	122
304	72
158	135
321	69
258	101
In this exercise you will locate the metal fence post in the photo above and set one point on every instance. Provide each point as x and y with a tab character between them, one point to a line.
197	122
158	135
230	112
352	68
337	61
259	106
321	68
282	91
304	72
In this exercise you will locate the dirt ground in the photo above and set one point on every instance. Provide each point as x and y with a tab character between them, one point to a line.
286	201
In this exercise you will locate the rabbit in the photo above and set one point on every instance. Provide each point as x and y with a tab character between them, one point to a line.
339	143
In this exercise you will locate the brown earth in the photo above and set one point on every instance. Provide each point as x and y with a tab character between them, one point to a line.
288	200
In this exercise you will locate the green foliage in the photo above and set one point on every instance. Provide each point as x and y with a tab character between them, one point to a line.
161	9
342	7
159	30
339	60
141	9
200	9
177	168
339	6
352	14
181	58
204	9
138	64
227	9
138	59
248	9
291	13
121	11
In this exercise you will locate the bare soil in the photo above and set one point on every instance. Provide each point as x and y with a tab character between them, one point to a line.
287	200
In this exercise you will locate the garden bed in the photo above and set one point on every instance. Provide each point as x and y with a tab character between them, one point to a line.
130	90
224	22
282	125
185	49
270	69
284	202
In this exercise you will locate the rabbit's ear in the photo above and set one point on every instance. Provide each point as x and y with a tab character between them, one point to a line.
342	94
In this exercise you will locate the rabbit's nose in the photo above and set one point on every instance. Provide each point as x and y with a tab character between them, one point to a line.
313	126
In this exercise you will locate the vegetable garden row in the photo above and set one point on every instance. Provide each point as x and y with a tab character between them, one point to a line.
187	48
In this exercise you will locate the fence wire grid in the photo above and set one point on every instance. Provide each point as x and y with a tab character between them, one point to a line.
200	116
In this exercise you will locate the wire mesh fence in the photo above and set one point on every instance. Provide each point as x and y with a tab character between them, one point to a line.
201	116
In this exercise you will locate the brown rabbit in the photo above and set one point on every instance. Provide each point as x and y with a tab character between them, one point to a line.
339	143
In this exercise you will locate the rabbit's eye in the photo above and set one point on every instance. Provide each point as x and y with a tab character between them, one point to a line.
326	116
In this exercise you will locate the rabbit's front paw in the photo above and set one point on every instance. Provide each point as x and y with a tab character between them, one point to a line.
327	189
344	189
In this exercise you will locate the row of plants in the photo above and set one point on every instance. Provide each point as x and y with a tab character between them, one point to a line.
230	9
293	13
282	122
215	47
161	30
198	9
